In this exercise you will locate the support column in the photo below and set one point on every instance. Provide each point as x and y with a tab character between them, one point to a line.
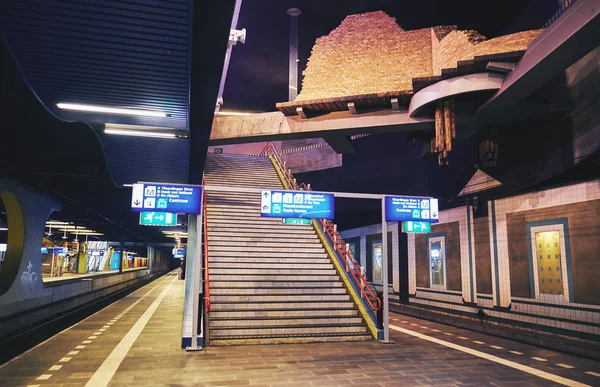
293	13
384	275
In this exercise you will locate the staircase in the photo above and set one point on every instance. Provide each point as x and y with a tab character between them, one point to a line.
269	282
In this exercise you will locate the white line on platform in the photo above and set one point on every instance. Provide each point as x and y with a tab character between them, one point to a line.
106	371
72	326
496	359
593	373
516	352
539	358
565	365
55	368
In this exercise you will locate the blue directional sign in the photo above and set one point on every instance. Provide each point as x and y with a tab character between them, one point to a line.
171	198
178	253
411	208
286	204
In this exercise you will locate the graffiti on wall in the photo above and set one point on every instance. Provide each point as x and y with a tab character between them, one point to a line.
28	280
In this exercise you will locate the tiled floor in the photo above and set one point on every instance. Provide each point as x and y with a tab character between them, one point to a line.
155	358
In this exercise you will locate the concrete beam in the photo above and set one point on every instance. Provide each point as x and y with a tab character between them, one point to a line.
340	144
452	87
575	33
276	126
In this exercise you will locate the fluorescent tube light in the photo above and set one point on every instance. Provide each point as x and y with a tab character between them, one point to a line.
55	222
3	228
225	113
140	133
111	110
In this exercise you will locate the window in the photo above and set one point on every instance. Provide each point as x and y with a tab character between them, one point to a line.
377	261
549	272
437	262
549	263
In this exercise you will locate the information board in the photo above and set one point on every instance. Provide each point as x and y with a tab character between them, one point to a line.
171	198
178	253
405	208
294	204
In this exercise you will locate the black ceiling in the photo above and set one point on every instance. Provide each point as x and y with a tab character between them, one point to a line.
82	167
127	53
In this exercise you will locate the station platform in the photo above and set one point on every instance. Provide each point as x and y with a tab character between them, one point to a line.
136	341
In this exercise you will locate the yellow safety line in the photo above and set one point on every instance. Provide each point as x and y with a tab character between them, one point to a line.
341	271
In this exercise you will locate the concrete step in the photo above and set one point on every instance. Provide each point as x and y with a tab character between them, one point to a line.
266	278
261	298
273	243
261	254
234	204
288	313
270	322
245	218
275	291
271	271
281	234
288	339
272	265
307	306
264	228
225	209
268	261
268	249
245	330
258	240
270	283
245	179
232	218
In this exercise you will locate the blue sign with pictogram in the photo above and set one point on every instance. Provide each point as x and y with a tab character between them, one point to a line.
172	198
411	208
294	204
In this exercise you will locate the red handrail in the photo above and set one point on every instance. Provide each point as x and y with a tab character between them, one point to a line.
338	243
206	276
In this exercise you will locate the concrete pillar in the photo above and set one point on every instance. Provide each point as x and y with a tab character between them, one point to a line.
293	13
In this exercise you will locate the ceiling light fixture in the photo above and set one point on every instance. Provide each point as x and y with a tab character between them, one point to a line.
111	110
65	236
230	113
3	228
140	133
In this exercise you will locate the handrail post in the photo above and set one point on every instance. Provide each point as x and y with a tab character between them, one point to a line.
384	277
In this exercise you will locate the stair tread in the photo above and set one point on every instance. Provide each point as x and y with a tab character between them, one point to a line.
288	326
327	334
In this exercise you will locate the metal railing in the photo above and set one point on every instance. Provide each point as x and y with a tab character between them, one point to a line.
329	228
563	7
206	273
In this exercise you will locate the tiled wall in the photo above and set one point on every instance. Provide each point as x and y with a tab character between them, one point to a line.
363	232
576	313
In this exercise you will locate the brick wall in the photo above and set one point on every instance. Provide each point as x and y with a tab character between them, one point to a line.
370	53
463	45
367	53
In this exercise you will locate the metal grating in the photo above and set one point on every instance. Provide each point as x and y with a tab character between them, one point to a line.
123	53
133	159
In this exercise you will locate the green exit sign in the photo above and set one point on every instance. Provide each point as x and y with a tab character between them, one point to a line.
158	219
416	227
296	221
